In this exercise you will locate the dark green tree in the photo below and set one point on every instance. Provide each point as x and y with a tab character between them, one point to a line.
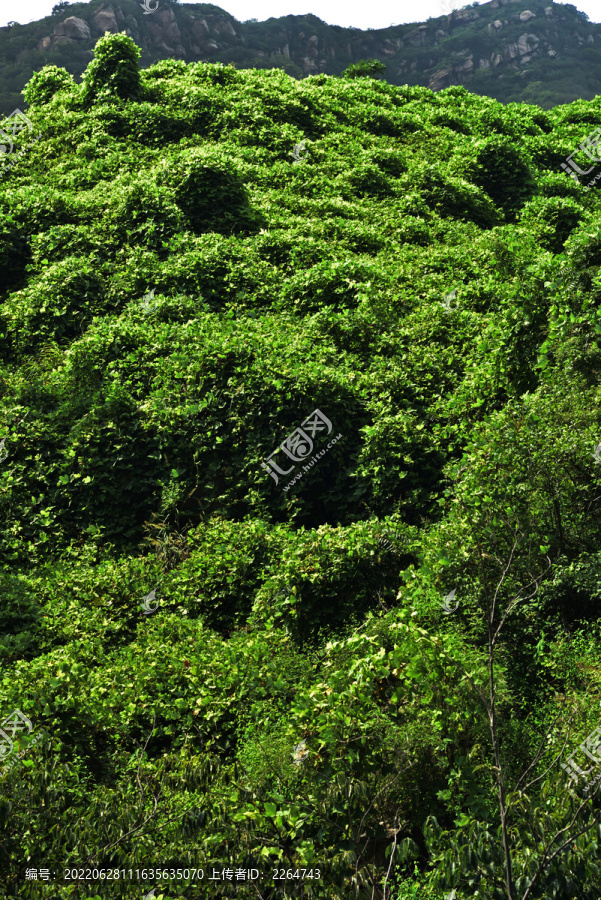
365	68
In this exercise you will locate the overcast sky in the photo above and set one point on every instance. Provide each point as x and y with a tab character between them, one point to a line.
374	14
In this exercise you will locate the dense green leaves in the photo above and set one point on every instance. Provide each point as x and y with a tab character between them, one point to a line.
233	669
114	70
44	84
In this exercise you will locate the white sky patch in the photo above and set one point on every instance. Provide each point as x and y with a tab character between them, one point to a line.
376	14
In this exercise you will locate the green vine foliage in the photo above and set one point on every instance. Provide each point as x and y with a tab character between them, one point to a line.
224	669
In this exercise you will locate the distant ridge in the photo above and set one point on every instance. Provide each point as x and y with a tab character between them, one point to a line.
530	51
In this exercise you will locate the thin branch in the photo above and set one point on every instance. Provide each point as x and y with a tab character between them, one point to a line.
538	754
572	837
142	792
391	858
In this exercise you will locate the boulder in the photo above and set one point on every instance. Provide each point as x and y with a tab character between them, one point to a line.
72	27
200	29
224	26
104	19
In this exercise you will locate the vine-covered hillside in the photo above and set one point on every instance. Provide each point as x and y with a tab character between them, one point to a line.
300	489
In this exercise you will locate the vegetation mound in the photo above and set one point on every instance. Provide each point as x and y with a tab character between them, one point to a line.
300	433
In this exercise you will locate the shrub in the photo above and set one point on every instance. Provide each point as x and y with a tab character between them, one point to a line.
388	123
454	197
367	179
114	72
215	73
14	252
43	85
580	113
143	214
61	241
445	119
211	195
37	209
390	162
144	123
329	283
553	219
53	306
365	68
557	184
500	171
